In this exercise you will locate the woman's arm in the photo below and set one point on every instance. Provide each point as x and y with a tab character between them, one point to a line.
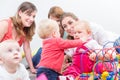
28	55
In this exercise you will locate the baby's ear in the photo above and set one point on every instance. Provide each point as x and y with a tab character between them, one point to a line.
54	34
1	61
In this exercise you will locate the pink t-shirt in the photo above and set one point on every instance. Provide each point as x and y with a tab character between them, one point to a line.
53	52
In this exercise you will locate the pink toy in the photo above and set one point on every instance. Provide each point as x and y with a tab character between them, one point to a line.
42	77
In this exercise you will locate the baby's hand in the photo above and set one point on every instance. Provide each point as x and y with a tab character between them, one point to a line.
92	56
107	56
84	39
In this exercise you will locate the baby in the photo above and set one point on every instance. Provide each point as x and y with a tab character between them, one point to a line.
52	55
10	58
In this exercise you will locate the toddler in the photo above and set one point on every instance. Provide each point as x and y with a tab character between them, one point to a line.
52	55
10	58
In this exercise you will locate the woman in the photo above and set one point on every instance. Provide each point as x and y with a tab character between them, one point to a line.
55	13
21	28
69	21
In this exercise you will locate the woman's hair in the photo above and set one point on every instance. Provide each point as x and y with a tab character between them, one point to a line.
55	11
47	27
68	14
28	32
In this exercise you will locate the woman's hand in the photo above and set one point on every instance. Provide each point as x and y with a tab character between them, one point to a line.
33	70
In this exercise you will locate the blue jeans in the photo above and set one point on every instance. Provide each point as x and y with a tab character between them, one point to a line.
50	74
36	58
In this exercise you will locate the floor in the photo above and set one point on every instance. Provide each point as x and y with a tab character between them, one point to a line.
32	76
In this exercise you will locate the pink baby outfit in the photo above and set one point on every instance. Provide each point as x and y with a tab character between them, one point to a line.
81	63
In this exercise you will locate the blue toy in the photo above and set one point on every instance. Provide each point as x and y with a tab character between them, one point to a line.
117	44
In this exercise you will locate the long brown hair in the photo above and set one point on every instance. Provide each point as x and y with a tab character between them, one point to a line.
55	11
68	14
28	32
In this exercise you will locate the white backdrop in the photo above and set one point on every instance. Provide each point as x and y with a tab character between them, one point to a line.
103	12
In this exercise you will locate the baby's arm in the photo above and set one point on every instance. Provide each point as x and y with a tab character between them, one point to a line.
69	51
94	49
101	54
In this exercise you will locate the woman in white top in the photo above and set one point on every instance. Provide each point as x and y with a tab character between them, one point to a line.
68	21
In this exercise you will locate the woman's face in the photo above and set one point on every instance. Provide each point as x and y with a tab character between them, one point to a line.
27	18
68	24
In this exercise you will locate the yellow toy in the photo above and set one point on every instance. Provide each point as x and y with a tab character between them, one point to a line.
33	53
104	75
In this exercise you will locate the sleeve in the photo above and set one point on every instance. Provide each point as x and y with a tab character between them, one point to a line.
101	35
100	49
65	44
98	33
93	45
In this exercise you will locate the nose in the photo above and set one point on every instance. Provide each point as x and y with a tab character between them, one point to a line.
76	34
68	28
16	52
31	18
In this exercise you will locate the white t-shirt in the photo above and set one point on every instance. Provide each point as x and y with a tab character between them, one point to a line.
20	74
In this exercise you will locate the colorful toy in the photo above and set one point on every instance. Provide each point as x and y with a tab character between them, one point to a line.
104	75
117	45
33	53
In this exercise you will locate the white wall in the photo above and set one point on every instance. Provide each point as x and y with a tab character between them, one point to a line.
103	12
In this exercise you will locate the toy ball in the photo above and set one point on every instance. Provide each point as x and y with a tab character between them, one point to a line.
109	78
117	45
104	75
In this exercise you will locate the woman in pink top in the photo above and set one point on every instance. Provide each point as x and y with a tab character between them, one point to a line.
52	55
21	28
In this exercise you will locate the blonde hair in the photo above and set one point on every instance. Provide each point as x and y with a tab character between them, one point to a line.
47	27
28	32
7	43
84	25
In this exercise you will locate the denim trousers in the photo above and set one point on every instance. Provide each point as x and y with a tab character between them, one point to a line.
36	58
49	73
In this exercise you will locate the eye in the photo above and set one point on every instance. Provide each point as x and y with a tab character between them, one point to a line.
9	50
58	20
34	16
70	22
64	26
18	49
28	14
79	31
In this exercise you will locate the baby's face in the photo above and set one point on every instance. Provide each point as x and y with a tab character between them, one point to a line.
11	54
80	32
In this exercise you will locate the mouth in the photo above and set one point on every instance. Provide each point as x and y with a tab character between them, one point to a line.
76	38
16	58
